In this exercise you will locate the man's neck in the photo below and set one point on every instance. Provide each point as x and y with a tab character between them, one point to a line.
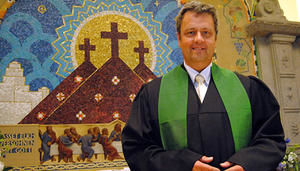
198	67
206	72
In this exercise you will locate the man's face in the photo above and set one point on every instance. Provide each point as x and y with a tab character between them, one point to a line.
197	39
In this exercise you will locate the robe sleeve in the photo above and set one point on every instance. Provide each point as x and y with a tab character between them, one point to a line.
80	140
112	134
66	140
53	137
267	146
90	141
141	141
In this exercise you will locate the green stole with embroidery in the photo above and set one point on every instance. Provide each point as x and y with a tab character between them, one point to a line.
172	107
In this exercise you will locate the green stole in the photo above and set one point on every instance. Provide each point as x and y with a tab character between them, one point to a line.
172	107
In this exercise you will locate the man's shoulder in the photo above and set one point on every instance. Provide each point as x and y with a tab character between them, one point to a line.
154	84
245	80
251	80
150	89
254	85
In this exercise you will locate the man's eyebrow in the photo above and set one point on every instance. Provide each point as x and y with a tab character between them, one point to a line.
193	28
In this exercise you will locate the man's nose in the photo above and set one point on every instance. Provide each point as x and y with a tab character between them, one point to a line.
198	37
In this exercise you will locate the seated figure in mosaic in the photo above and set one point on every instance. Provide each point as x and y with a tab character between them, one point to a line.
48	138
116	134
86	146
75	135
110	152
96	134
64	142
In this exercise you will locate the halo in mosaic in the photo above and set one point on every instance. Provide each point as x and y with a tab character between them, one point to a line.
65	44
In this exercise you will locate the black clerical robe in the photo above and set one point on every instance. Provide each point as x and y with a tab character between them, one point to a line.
208	131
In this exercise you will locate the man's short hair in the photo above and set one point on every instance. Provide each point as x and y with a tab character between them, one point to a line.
199	8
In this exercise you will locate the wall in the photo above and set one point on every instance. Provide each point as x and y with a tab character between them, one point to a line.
291	9
277	42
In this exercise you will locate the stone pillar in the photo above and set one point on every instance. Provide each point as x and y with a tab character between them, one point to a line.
285	82
275	41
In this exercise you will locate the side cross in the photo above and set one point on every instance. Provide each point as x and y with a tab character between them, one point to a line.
141	50
87	48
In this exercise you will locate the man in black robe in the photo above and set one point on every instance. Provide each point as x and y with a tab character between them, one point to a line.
210	141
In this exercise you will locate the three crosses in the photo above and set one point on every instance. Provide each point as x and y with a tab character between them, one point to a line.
114	35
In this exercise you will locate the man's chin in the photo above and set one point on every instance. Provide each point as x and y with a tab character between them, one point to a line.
200	58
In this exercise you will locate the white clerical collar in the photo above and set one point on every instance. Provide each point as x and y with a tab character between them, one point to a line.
205	73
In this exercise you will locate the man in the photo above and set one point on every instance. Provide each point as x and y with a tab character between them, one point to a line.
224	122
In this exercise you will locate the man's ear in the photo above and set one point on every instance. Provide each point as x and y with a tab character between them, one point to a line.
178	38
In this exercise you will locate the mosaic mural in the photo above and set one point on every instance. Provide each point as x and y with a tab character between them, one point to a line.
63	147
83	61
